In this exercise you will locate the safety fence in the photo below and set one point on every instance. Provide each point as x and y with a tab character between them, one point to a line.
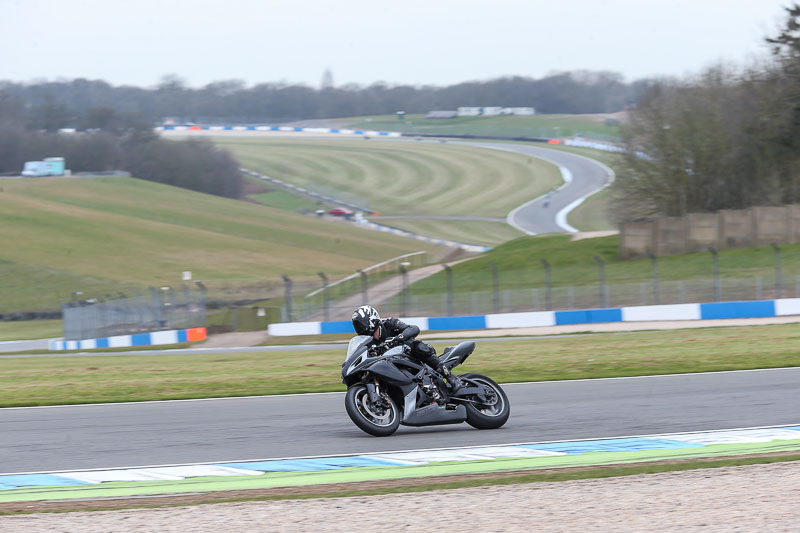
413	301
164	308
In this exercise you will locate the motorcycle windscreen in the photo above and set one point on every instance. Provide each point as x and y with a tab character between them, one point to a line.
357	342
355	350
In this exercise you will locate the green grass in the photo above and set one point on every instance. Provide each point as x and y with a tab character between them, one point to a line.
466	231
573	264
402	178
106	235
80	379
30	329
555	125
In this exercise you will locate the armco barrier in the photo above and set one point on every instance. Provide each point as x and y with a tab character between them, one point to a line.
341	131
696	311
139	339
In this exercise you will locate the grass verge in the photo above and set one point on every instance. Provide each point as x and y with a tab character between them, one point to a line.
86	379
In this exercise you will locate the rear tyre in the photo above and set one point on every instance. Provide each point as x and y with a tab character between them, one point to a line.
491	415
380	421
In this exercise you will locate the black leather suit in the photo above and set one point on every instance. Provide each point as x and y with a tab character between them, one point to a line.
392	327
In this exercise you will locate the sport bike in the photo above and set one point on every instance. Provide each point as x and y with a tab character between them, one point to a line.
386	390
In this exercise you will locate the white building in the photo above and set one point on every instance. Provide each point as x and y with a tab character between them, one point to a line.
491	111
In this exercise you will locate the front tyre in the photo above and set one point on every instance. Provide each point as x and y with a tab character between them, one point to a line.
377	420
493	414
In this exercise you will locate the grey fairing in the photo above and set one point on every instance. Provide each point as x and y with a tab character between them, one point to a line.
459	354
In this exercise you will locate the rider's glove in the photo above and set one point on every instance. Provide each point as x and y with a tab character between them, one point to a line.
395	341
375	351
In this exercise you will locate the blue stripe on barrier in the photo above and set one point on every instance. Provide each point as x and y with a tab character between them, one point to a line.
182	335
341	326
737	310
40	480
251	128
587	316
612	445
102	343
358	132
140	339
334	130
228	128
299	129
457	322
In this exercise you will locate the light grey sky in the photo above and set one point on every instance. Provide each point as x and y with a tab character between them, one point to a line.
437	42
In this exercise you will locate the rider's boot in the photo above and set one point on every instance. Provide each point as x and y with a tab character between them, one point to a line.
453	381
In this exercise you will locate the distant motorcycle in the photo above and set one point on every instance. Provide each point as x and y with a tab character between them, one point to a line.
384	391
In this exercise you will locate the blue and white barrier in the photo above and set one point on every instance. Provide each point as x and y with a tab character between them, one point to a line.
175	336
291	129
646	313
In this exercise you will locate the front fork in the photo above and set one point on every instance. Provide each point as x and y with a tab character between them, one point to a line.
372	392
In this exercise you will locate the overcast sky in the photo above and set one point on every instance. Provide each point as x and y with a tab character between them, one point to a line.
437	42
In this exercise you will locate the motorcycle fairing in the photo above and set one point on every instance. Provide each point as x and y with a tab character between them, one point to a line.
457	355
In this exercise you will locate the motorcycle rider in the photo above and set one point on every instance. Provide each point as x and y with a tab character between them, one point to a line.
391	332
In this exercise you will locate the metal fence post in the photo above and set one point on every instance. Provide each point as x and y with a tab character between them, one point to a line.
654	260
324	295
287	293
202	303
778	273
601	273
495	288
548	302
449	275
715	257
404	292
157	307
364	287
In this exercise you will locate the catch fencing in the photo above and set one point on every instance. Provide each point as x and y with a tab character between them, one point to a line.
164	308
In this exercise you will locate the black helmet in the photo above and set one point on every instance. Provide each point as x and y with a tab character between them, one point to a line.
366	320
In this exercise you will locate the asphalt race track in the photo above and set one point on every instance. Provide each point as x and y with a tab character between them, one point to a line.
540	214
158	433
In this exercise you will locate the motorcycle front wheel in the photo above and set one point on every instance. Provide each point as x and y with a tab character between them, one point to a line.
487	416
377	420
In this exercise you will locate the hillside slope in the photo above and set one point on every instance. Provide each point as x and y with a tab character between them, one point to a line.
103	235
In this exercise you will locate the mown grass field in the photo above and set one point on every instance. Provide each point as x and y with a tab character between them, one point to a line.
555	125
81	379
106	235
30	329
402	178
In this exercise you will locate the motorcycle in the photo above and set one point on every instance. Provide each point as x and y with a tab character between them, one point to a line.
389	389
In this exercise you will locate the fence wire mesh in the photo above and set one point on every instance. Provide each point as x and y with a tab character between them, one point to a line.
161	309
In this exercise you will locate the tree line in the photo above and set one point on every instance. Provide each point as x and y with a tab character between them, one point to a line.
129	144
724	139
89	104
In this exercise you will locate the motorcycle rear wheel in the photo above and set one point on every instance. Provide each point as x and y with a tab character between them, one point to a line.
487	416
380	423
